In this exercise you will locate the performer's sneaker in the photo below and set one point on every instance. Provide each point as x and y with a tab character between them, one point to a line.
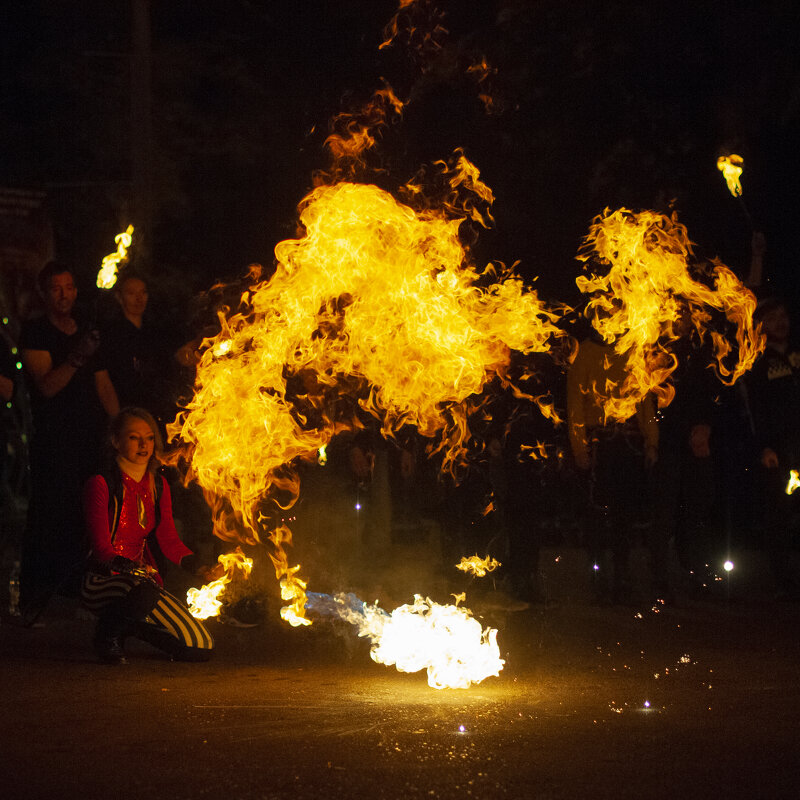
110	651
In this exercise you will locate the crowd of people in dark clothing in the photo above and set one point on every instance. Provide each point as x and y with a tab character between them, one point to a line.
99	514
689	481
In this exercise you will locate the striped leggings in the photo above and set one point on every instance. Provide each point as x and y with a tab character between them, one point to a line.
140	608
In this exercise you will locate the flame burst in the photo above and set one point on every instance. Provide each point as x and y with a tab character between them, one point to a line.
205	602
374	310
731	168
640	304
478	566
445	640
107	276
794	481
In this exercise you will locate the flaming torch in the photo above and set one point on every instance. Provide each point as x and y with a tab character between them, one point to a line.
731	167
107	276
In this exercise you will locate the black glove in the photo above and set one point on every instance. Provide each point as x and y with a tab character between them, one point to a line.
123	565
85	348
196	566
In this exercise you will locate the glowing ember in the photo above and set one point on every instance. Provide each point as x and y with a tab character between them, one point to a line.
648	295
205	602
482	71
478	566
794	481
417	23
445	640
107	276
731	168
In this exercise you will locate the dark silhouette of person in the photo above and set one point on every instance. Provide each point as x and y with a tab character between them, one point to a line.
774	391
70	390
614	459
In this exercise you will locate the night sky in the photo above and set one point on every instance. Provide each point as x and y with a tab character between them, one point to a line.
597	104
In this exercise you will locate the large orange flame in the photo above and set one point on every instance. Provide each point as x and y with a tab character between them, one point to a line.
648	290
375	310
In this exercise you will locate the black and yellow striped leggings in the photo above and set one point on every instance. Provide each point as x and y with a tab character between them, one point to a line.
142	609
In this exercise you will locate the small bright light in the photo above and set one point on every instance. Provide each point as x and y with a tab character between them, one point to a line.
462	729
647	704
596	567
358	506
728	566
18	365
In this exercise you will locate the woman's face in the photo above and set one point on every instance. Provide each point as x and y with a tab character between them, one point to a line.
136	441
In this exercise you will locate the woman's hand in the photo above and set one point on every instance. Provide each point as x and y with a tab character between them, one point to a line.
208	574
123	565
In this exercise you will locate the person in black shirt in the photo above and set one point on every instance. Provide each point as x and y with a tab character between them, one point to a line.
774	391
69	391
138	354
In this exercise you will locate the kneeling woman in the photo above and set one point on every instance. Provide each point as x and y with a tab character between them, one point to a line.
128	514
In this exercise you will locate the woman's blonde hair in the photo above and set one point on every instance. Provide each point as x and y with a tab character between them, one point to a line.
117	425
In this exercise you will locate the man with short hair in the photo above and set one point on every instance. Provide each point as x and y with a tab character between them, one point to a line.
138	349
69	390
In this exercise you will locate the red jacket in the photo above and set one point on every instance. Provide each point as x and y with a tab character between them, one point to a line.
130	537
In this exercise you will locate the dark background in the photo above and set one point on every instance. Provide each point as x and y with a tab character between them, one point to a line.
597	104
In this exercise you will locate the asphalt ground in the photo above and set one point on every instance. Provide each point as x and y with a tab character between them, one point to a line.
646	702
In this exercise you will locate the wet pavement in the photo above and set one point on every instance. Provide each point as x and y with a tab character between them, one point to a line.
699	701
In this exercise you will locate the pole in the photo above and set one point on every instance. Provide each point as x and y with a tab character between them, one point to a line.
141	127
